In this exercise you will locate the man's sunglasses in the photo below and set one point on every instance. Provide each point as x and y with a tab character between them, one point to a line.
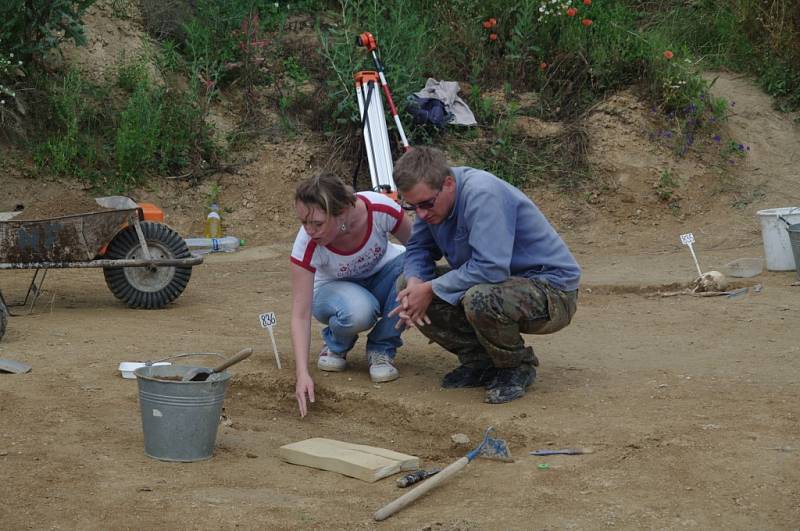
424	205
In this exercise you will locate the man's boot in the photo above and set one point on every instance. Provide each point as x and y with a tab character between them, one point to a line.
509	383
474	374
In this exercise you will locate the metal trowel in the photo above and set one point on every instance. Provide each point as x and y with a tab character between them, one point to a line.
201	374
14	367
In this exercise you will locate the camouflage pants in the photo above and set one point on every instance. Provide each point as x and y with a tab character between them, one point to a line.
486	325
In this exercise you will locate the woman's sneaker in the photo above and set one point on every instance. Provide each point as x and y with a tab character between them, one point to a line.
381	368
331	361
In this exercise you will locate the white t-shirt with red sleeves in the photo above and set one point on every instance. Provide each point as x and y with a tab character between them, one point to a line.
328	263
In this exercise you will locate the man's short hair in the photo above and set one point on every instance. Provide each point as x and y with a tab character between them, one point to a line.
421	164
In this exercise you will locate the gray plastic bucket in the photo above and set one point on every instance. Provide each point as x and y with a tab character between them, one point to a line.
794	238
179	419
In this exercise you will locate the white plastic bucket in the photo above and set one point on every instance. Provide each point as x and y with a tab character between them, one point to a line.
777	246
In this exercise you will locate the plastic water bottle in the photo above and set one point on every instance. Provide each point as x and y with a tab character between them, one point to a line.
228	244
213	228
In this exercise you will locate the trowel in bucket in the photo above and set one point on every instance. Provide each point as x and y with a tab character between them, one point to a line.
201	374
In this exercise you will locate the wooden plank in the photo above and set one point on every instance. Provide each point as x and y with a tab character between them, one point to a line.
367	463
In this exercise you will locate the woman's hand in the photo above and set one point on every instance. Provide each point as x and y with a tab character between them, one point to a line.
303	387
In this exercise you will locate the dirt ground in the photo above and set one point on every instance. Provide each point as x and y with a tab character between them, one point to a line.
692	405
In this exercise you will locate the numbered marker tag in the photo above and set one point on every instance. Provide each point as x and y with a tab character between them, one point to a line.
268	320
688	239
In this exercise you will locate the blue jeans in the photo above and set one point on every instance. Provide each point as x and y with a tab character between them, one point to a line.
351	306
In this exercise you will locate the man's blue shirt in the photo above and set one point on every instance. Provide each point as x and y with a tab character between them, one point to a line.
493	232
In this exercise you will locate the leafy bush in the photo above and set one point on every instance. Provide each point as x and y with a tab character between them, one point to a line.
210	33
162	131
137	136
151	129
30	28
404	46
761	37
69	150
11	108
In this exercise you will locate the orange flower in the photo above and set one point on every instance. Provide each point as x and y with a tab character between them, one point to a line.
543	66
586	22
668	54
493	37
587	2
493	21
487	24
571	12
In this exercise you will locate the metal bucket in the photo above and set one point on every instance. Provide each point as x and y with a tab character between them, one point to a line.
777	249
794	238
179	419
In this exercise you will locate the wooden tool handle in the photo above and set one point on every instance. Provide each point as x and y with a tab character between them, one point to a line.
392	507
242	354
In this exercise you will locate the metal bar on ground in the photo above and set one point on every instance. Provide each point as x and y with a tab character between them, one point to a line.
170	262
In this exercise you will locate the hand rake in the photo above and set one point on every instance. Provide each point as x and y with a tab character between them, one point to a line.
489	448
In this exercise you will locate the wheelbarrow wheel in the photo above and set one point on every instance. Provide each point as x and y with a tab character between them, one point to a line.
3	317
147	287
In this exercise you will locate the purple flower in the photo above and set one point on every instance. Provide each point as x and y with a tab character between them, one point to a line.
717	139
733	104
741	147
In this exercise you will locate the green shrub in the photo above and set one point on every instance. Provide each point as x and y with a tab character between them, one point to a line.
12	110
160	131
30	28
151	130
210	34
137	136
69	151
185	138
401	30
132	72
761	37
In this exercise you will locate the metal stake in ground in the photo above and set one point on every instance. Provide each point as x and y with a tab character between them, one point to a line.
688	239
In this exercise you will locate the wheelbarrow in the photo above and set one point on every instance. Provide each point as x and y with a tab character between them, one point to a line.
146	264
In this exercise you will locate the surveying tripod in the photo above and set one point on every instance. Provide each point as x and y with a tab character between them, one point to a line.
373	121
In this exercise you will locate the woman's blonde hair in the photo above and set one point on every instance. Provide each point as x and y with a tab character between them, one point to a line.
326	192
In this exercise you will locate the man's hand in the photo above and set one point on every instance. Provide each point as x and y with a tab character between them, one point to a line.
413	303
303	387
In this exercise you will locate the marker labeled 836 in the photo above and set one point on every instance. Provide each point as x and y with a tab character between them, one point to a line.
268	320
